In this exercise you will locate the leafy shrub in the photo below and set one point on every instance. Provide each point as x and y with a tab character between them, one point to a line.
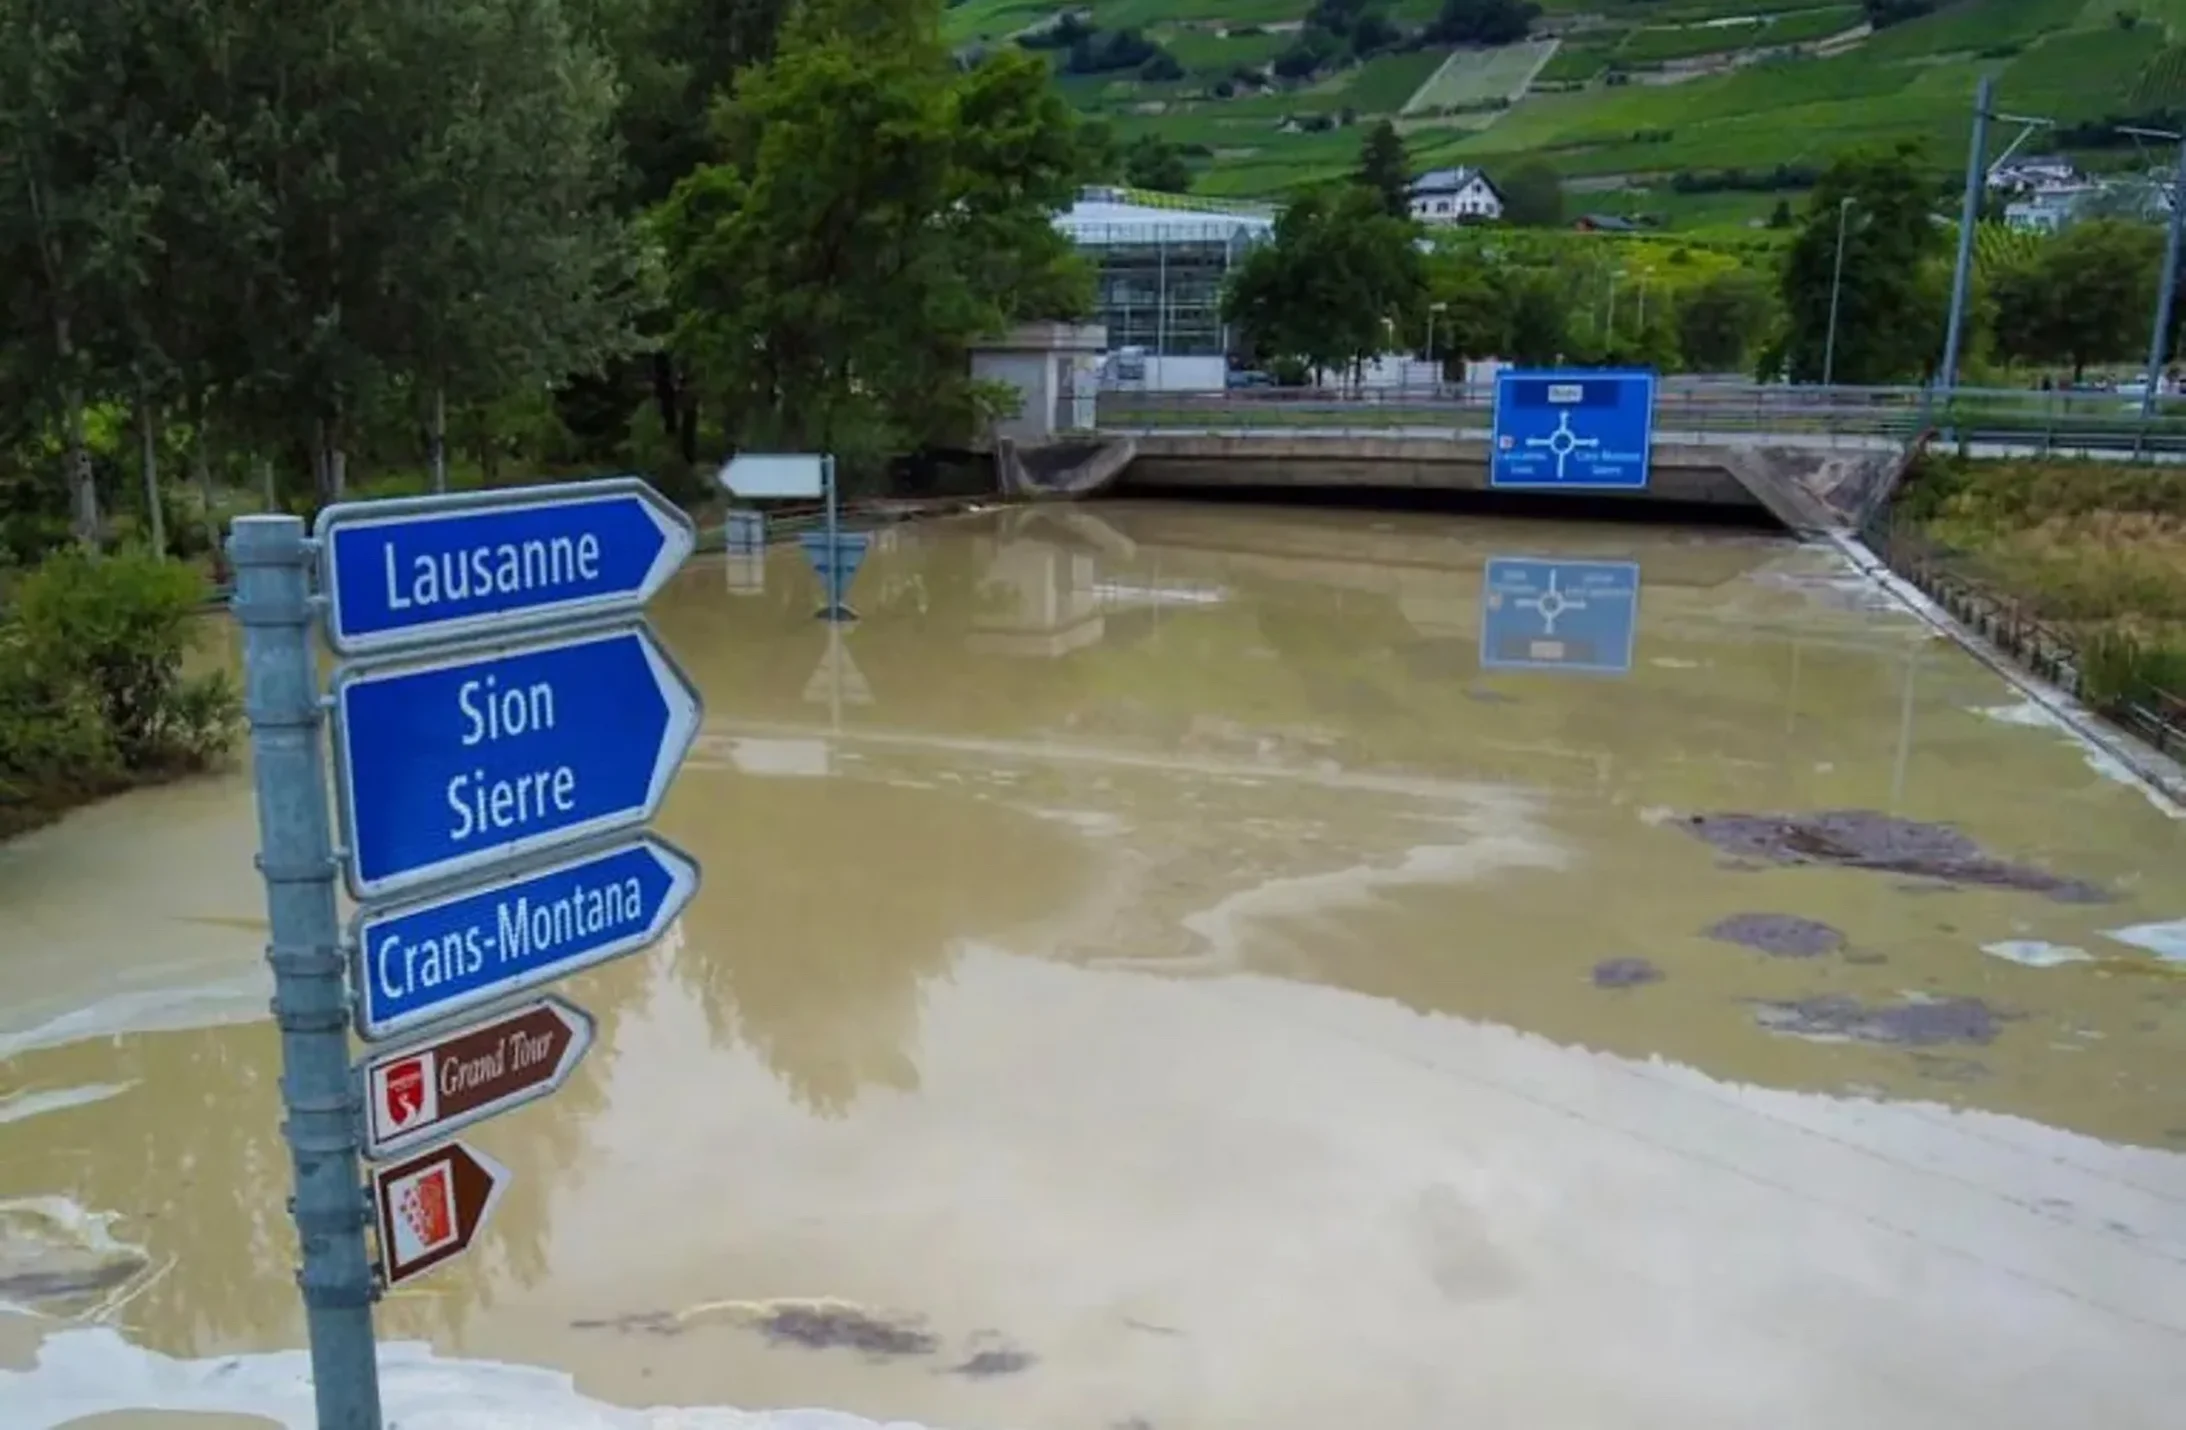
54	748
113	632
2120	669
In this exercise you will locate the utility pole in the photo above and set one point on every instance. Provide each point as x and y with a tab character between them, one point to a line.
2159	340
1836	283
1969	215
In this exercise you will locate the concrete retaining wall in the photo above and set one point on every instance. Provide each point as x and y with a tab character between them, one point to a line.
1808	489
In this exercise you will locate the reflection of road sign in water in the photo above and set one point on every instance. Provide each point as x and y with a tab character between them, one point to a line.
433	960
470	761
428	569
1558	615
744	532
745	572
837	679
432	1207
1582	430
836	568
420	1094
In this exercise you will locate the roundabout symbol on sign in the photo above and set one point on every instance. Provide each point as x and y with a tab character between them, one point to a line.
1563	442
1550	603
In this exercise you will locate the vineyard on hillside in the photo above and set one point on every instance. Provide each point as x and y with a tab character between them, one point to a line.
1260	94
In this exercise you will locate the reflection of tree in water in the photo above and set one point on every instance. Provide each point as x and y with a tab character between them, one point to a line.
543	1146
829	903
191	1156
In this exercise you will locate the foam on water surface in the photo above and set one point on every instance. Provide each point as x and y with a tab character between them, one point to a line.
82	1373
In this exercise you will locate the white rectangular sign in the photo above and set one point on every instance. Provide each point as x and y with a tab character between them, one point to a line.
772	474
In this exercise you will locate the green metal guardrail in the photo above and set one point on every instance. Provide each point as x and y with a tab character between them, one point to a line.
2043	422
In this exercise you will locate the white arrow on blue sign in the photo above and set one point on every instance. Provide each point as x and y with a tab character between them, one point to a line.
426	570
433	960
475	760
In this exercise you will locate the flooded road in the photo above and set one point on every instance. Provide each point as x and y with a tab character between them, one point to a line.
1149	976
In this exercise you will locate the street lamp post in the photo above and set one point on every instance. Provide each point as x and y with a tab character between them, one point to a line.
1434	311
1836	284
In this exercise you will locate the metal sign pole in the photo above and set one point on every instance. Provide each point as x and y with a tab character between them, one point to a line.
272	602
834	540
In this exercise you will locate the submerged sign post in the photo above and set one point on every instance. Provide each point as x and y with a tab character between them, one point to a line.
508	728
835	554
1587	430
1579	616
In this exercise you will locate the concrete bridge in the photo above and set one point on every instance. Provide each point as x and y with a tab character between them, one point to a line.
1815	459
1808	483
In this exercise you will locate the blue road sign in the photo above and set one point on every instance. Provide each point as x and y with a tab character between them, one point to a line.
838	569
1587	430
429	961
425	570
473	760
1558	615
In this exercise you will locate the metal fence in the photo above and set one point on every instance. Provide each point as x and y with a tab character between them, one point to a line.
1993	421
1947	577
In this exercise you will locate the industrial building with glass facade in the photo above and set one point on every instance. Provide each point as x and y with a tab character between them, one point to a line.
1161	265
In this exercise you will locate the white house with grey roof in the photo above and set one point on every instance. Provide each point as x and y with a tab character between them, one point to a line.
1462	195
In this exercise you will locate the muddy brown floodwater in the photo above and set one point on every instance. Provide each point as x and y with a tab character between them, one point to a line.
1148	974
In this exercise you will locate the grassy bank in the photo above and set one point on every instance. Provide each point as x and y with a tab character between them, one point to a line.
2094	551
93	698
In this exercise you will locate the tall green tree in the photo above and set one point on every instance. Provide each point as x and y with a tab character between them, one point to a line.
434	179
874	212
1533	195
75	207
1723	320
518	271
1156	164
1889	300
2086	296
1385	170
1474	320
1330	289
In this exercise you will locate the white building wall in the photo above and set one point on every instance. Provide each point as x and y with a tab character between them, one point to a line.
1033	375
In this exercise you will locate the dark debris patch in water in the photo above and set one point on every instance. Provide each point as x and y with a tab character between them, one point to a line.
999	1361
823	1328
1943	1069
1920	1023
30	1287
1778	935
659	1323
1864	839
1625	973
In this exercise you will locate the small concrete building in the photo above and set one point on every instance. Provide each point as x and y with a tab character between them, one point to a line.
1055	368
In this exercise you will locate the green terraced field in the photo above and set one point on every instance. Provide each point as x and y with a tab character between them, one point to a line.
2067	60
1657	43
1473	77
